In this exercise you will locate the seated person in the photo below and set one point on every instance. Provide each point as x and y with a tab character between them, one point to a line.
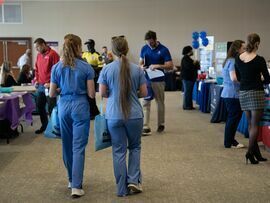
6	76
25	75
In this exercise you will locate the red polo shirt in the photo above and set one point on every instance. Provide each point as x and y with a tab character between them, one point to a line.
44	65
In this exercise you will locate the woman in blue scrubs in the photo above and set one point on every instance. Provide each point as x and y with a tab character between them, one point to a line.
74	77
123	83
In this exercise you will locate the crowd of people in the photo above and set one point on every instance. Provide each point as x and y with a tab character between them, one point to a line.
76	75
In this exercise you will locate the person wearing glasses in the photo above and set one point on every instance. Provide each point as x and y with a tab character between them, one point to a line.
75	79
123	83
155	56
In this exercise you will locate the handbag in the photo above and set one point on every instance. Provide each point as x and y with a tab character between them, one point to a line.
101	133
150	92
53	127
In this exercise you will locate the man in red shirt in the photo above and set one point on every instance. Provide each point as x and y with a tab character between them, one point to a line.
46	58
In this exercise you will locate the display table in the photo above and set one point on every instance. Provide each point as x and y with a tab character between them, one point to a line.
27	88
204	96
264	125
16	106
217	106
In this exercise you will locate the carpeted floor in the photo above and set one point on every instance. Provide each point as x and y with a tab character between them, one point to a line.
187	163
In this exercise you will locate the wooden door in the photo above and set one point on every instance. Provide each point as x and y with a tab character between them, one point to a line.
2	52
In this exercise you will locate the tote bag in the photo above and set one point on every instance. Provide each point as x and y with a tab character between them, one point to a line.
53	127
101	133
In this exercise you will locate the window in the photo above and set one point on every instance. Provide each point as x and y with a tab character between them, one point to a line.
11	13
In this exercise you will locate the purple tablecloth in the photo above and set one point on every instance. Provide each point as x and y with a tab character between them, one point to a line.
11	109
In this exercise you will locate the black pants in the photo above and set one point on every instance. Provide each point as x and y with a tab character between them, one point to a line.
188	89
42	100
234	116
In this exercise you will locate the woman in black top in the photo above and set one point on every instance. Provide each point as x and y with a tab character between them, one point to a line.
189	75
7	79
25	76
250	68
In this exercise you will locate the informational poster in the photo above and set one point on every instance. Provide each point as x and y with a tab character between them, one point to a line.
206	54
220	56
54	45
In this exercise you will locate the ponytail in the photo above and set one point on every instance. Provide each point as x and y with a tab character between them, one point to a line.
120	49
71	49
125	86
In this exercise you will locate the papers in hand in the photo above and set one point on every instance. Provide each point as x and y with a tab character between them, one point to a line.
154	73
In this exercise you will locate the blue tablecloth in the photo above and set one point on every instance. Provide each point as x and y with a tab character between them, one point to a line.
218	108
204	98
243	126
195	93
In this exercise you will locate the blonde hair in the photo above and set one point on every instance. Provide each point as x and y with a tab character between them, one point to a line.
72	49
5	71
120	49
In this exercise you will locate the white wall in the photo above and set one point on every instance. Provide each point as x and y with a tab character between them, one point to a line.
173	20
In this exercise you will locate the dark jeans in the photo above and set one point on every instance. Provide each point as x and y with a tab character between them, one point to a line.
234	116
41	106
188	89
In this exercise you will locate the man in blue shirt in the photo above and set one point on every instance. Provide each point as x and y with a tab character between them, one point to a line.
155	56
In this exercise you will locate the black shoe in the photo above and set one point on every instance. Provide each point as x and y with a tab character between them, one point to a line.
258	154
250	157
40	131
160	128
146	132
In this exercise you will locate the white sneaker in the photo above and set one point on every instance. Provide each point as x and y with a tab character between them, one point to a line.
69	185
135	188
77	192
239	146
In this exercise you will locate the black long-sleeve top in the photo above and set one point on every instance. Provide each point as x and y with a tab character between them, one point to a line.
23	78
188	69
9	82
249	74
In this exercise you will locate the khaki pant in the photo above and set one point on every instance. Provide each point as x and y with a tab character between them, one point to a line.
158	89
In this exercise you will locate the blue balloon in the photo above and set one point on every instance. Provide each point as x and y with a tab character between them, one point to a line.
195	35
205	42
203	34
195	44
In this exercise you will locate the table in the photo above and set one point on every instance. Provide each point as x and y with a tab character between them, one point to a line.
27	88
217	106
16	106
203	96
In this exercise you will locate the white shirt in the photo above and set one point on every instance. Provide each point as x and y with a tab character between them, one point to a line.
24	59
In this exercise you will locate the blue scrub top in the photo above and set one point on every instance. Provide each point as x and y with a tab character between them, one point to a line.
72	81
109	76
158	55
230	88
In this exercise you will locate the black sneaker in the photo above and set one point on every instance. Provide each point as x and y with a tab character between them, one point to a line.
39	131
160	128
146	131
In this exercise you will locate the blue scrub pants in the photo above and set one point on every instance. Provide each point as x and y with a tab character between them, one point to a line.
126	135
74	117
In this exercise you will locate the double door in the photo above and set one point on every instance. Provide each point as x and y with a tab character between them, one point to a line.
11	49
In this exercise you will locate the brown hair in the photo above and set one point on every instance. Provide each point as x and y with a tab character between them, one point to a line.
253	41
40	41
234	50
150	35
26	68
72	49
120	49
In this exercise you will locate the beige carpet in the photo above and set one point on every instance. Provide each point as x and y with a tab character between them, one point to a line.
187	163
